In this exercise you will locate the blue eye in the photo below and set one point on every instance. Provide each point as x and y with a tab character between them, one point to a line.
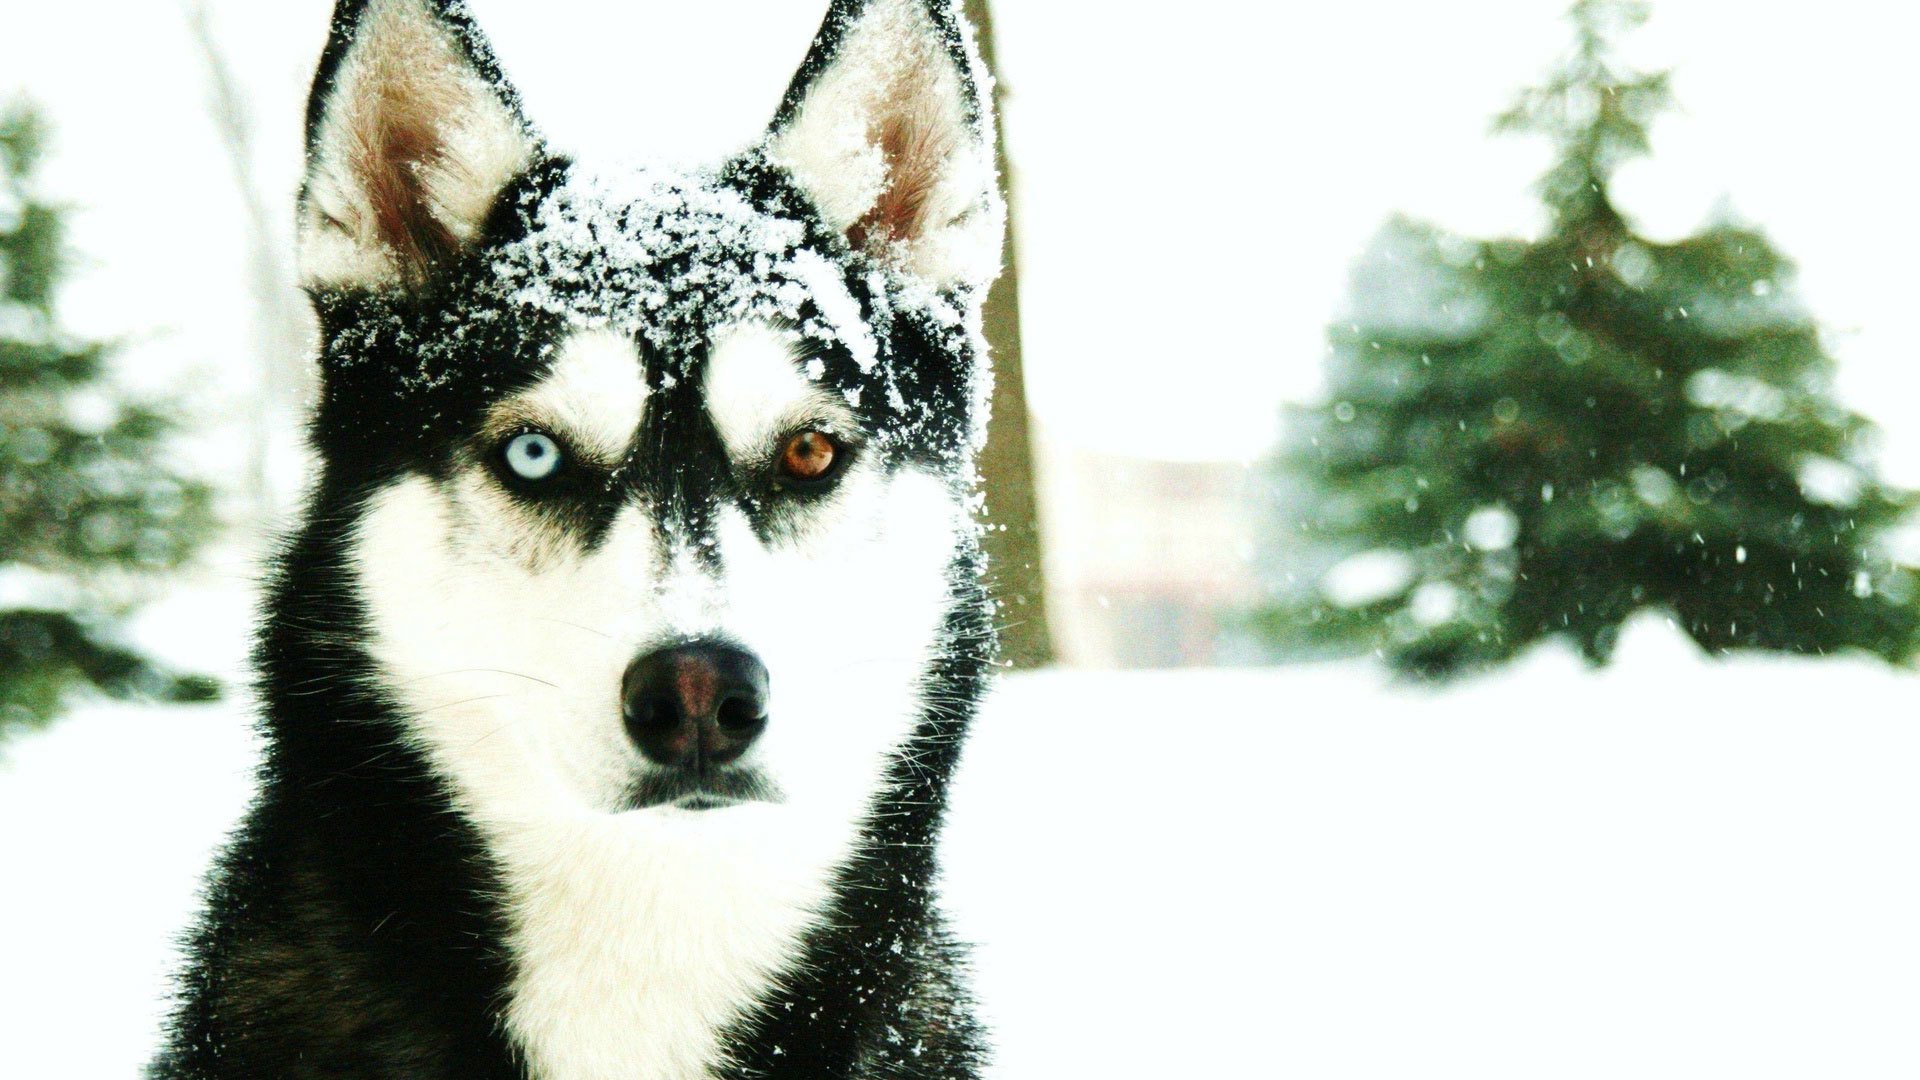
532	455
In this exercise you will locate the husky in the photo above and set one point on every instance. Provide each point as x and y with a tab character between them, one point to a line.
614	677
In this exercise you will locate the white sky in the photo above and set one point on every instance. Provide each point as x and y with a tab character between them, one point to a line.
1193	179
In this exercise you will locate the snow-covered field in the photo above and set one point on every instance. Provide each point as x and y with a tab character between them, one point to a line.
1673	868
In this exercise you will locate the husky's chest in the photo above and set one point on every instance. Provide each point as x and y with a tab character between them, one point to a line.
636	941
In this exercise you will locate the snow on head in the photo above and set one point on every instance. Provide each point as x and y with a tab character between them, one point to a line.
674	260
671	257
657	255
839	307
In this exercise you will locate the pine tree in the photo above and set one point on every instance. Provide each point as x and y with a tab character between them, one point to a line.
1533	438
88	504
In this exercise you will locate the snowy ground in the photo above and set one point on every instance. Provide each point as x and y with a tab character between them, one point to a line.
1675	868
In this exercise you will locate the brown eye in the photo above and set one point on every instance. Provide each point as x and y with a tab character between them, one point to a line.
808	457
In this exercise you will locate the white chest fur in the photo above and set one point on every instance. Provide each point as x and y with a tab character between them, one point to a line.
637	938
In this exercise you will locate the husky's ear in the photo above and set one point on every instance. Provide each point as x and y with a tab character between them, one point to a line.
411	135
888	130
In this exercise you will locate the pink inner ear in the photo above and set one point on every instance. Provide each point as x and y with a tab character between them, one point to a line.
401	140
916	146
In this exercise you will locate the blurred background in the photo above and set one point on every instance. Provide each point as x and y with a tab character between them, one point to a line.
1450	487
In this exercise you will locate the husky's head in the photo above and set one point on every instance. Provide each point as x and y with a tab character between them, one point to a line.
653	486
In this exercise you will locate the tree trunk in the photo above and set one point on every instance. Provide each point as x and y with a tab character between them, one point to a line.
1012	516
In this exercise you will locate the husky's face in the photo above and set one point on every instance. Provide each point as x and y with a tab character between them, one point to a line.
661	479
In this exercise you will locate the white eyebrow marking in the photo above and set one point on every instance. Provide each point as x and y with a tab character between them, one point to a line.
754	386
594	395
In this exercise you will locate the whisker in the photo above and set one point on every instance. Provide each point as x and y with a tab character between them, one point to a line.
463	701
574	625
488	671
504	726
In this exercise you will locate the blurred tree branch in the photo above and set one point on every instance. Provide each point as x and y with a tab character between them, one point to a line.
279	322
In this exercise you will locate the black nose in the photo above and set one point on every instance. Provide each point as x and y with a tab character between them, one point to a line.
695	705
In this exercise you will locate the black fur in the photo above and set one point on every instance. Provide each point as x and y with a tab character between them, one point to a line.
350	930
352	927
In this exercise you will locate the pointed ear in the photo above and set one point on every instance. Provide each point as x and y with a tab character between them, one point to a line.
888	129
411	135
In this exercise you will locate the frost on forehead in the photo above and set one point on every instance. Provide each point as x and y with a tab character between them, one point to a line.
649	254
674	259
669	257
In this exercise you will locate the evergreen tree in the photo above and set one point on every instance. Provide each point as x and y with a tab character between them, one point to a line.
88	504
1525	439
